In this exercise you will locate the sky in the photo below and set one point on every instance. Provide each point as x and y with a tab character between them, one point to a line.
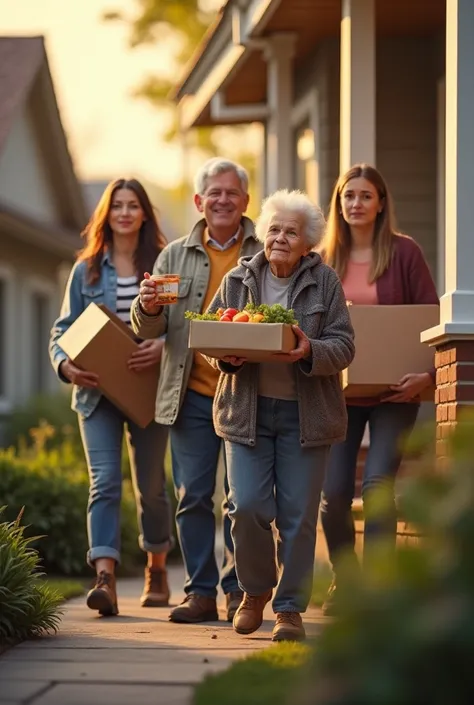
94	73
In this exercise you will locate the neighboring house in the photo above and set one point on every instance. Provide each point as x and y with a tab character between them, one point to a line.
42	211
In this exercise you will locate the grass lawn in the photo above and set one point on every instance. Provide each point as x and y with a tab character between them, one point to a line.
265	678
67	587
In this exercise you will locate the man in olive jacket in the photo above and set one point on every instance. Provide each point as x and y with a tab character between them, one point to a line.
188	383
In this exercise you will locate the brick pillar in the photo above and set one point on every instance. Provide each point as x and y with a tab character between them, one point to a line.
454	363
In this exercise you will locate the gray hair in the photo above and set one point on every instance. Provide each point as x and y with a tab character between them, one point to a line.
296	202
216	166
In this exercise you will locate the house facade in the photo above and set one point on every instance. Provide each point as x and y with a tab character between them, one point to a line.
335	82
42	212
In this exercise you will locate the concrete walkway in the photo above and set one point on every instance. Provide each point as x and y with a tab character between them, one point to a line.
138	658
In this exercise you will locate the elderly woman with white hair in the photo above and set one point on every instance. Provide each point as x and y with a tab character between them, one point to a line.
279	419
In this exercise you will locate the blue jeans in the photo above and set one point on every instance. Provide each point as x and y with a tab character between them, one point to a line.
195	449
276	480
102	436
388	424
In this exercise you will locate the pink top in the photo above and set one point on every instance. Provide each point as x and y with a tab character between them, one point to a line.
356	285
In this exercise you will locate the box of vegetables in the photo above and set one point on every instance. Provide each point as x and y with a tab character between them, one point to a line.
255	333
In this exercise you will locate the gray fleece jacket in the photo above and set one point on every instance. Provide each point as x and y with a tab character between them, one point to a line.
318	300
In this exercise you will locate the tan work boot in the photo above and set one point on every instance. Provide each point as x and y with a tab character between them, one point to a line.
249	615
233	600
103	596
194	609
156	592
288	627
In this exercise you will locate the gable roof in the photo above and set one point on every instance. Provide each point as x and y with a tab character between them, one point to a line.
25	76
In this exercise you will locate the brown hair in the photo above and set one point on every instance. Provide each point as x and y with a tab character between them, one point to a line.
336	244
99	236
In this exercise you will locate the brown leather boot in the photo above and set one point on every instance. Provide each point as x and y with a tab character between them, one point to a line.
103	596
288	627
233	600
156	592
249	615
194	609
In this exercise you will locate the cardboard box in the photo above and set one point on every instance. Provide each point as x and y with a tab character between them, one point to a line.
99	341
387	340
255	341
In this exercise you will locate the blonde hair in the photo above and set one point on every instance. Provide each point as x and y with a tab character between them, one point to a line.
296	202
336	244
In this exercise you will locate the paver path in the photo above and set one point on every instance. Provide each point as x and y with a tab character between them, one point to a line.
138	658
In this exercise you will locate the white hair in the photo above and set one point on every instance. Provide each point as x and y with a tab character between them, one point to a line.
296	202
216	166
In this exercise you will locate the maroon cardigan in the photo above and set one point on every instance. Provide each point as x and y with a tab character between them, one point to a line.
407	280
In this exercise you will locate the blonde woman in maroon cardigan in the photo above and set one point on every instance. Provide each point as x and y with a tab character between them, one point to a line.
377	266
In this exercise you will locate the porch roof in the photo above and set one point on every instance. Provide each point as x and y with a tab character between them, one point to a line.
230	58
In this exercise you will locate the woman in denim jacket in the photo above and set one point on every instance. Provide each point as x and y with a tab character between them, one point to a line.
123	240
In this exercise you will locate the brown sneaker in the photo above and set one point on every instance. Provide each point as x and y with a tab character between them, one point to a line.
233	600
249	615
156	592
103	596
195	608
288	627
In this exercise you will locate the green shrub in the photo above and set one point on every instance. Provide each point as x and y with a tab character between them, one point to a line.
47	420
28	607
406	630
53	487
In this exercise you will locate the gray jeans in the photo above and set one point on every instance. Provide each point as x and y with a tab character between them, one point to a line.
276	480
388	424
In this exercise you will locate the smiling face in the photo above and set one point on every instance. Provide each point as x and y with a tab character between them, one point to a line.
285	242
360	202
223	203
126	214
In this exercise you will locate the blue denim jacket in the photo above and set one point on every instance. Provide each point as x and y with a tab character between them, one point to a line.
77	297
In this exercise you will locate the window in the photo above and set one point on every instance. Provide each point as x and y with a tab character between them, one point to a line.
3	338
305	165
40	339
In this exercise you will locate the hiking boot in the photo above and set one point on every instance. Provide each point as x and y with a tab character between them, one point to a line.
103	596
288	627
233	600
330	607
249	615
194	609
156	592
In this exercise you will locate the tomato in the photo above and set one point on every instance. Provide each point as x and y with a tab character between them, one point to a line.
230	312
242	317
226	319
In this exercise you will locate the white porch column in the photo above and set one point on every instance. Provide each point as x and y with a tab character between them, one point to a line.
453	338
279	52
357	119
457	304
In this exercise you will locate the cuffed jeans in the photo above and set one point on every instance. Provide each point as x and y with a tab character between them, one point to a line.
276	480
388	423
102	436
195	449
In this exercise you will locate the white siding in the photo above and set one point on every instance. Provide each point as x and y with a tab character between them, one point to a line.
23	179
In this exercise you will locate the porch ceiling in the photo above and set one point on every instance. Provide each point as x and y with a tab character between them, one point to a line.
315	20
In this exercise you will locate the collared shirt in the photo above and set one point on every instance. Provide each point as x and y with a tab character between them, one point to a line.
219	246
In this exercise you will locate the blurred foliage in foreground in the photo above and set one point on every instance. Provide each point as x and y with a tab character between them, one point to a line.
406	631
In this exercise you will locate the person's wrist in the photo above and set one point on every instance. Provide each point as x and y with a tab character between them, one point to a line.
148	313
